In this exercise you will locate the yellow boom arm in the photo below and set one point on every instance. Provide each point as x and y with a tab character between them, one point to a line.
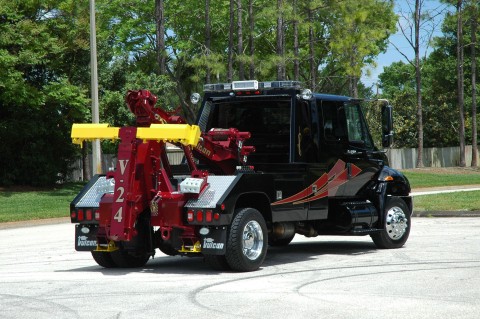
176	133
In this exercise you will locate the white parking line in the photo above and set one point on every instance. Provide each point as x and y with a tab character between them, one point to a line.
432	192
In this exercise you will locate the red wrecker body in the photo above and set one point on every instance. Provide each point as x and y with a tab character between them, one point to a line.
217	205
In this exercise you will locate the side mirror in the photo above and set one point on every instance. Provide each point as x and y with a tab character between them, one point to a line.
387	125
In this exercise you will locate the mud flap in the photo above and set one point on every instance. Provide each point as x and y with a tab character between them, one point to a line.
215	242
85	237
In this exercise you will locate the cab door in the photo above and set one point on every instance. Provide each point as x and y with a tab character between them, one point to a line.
342	161
361	152
308	151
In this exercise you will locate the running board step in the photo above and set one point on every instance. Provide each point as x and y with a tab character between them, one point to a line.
365	231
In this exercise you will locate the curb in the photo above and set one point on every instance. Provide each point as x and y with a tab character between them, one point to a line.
35	222
475	213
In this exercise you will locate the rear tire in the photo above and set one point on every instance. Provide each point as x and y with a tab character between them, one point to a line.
129	259
136	252
247	241
103	259
397	225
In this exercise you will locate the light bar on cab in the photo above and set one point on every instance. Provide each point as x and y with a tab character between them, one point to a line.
251	85
245	85
217	87
283	85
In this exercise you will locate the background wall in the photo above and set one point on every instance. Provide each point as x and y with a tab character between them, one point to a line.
432	157
400	158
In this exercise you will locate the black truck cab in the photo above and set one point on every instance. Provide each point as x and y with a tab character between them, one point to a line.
328	176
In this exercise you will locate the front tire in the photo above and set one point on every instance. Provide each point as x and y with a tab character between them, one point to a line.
397	225
247	241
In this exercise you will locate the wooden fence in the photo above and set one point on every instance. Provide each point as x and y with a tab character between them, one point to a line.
403	158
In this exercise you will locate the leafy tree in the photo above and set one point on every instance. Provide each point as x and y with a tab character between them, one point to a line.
440	86
398	84
208	39
360	32
280	49
440	112
166	46
39	93
160	36
418	25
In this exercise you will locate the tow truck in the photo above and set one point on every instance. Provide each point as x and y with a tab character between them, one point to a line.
264	162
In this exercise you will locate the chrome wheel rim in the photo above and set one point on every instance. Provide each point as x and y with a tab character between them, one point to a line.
252	240
396	223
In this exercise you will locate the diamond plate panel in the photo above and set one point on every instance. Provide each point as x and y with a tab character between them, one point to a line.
217	187
94	194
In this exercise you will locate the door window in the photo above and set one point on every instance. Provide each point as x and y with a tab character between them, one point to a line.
333	121
306	133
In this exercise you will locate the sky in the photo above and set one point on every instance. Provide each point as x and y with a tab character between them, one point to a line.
402	7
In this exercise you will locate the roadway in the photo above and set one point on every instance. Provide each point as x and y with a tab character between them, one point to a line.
434	276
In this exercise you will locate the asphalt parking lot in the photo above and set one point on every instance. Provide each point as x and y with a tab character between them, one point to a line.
434	276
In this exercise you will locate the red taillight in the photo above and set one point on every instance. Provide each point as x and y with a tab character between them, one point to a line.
88	214
73	214
240	93
80	215
208	216
190	214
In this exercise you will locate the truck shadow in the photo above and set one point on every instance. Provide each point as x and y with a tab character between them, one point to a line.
296	252
303	251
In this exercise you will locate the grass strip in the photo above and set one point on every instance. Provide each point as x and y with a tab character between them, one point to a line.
458	201
423	178
18	205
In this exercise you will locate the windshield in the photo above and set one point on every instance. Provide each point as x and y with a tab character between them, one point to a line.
356	126
266	118
254	116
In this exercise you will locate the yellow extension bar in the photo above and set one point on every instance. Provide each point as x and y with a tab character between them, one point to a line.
89	132
177	133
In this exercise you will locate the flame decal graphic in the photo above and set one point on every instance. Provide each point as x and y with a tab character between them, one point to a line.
324	186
